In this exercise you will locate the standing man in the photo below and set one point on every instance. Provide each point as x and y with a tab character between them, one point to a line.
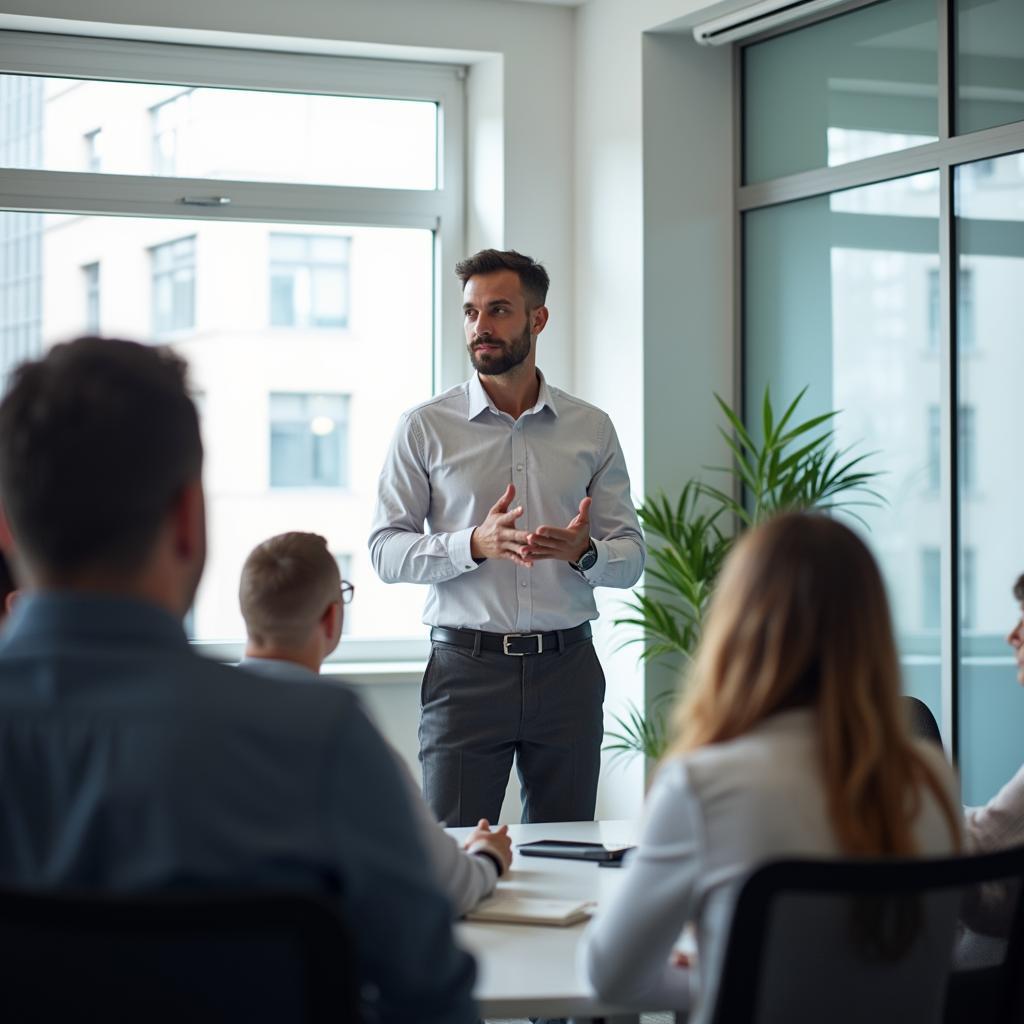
526	500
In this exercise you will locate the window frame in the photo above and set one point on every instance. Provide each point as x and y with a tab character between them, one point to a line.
440	210
951	151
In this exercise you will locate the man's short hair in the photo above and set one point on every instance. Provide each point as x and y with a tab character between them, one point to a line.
532	276
97	439
1018	589
287	583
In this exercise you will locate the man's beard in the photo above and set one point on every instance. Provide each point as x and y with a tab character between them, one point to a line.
512	354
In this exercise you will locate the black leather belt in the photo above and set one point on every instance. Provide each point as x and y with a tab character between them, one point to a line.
516	645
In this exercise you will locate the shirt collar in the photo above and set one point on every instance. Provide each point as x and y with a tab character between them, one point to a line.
480	400
277	668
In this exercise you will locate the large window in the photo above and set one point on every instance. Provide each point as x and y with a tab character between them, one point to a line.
267	269
883	260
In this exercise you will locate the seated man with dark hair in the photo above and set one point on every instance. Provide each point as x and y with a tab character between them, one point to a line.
126	760
291	594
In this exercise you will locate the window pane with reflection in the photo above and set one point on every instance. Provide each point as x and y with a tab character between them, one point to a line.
837	295
990	367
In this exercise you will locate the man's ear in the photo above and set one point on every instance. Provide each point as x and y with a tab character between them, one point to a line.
6	537
538	319
331	622
189	521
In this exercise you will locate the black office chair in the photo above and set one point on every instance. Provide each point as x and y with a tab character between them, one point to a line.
921	720
862	942
188	957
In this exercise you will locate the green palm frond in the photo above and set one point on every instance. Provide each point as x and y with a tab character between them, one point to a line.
794	466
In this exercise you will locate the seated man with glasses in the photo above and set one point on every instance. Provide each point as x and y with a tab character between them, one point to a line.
292	598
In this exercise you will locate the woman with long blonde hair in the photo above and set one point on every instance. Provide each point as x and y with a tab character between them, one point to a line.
790	741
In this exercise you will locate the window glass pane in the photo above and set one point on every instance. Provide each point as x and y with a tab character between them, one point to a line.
855	86
296	423
309	279
170	130
990	366
989	63
837	292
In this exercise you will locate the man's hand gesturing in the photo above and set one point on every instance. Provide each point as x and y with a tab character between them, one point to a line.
497	537
566	544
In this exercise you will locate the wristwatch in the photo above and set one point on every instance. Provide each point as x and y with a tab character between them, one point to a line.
587	560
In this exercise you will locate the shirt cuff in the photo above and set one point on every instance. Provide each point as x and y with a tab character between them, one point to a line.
595	572
488	858
458	550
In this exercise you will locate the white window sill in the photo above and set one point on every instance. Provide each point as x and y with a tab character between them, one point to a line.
373	673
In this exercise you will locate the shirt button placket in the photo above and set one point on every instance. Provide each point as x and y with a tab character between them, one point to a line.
524	596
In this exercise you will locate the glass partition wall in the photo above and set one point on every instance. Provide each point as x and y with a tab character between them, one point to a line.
882	223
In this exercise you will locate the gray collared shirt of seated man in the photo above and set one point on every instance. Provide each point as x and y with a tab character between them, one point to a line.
465	878
127	761
452	457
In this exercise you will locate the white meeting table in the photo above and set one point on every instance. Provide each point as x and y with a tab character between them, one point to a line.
530	970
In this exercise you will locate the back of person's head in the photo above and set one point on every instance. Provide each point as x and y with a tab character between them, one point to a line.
98	441
800	618
287	584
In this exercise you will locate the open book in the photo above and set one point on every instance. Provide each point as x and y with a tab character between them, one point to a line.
527	910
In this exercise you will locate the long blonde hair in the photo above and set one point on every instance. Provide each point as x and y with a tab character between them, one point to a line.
800	618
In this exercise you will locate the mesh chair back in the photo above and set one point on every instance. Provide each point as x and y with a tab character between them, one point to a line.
182	957
859	942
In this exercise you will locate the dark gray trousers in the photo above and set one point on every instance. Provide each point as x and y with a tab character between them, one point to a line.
478	710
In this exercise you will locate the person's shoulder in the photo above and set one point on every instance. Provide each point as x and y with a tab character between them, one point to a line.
774	752
279	704
454	399
934	756
563	399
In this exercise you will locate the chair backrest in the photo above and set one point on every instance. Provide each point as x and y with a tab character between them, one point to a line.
921	720
182	956
851	941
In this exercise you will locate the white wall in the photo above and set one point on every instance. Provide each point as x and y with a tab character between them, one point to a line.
654	255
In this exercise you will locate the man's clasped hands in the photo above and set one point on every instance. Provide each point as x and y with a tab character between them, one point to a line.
498	537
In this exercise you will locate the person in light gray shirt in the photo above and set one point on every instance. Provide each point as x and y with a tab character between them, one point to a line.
526	499
293	601
790	742
129	762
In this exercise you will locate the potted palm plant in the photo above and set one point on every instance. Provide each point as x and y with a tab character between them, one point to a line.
794	465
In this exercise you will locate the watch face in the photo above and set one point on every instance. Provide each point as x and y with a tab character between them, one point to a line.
588	559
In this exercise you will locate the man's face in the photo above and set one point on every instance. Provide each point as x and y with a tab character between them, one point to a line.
1016	640
497	322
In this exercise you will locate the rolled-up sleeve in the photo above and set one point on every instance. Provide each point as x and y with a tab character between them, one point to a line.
614	526
400	551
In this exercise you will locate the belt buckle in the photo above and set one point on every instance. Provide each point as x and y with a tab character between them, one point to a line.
521	654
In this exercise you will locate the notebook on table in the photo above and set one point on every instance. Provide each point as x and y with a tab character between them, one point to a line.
511	909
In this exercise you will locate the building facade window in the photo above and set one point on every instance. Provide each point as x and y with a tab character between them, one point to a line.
170	123
309	280
308	440
965	309
174	286
91	277
94	150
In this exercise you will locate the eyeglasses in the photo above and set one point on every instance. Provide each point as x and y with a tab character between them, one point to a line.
347	591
